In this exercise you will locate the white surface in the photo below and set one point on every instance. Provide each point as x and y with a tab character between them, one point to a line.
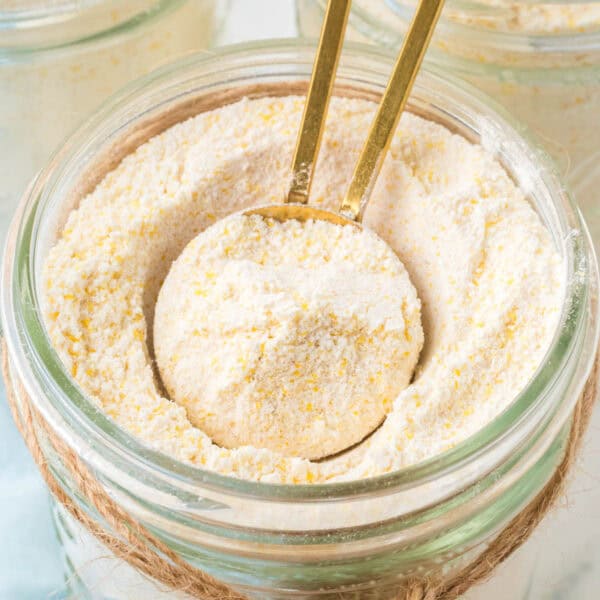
259	19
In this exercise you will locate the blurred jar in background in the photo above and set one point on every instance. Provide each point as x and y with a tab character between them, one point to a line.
59	59
541	59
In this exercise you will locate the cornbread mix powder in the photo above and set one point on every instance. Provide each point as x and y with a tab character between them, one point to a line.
522	16
484	267
290	336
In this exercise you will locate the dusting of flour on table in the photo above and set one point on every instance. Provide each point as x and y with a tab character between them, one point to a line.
290	336
486	271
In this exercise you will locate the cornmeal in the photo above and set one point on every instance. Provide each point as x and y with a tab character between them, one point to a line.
484	267
524	16
290	336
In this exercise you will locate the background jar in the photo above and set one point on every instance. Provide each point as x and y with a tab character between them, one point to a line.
277	541
59	60
548	80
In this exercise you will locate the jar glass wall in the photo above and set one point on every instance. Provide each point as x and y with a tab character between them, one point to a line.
60	60
366	537
540	63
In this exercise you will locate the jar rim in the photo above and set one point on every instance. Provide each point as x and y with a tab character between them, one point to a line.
32	352
38	11
481	38
28	33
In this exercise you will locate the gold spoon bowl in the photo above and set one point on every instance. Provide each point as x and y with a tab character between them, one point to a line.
351	210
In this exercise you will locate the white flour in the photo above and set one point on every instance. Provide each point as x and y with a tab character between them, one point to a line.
489	279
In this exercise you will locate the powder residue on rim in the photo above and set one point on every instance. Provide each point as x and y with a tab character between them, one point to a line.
490	280
291	336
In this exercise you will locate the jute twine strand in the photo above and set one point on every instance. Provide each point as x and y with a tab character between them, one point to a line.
132	542
516	533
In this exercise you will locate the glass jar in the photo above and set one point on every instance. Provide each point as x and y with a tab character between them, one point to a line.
548	80
59	60
280	541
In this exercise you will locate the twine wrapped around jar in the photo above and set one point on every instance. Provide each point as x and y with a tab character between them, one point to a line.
133	543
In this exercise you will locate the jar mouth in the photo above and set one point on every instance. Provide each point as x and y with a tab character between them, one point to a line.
71	412
26	13
477	38
39	26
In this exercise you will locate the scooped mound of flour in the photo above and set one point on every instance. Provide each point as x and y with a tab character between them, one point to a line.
295	337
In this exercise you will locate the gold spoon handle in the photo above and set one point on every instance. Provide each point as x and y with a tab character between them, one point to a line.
317	101
391	107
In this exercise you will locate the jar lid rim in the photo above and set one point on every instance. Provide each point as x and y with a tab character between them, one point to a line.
508	41
66	24
35	12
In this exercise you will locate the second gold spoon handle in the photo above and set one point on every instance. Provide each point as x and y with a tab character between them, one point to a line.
317	100
391	107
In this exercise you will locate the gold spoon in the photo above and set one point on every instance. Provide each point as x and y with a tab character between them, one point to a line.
382	129
380	135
